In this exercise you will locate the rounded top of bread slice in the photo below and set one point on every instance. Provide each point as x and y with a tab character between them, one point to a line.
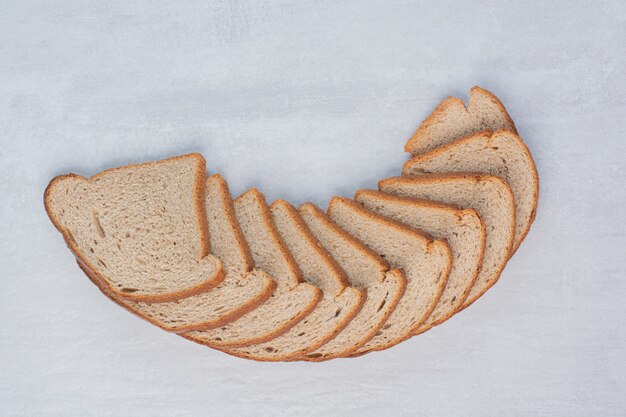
141	229
452	120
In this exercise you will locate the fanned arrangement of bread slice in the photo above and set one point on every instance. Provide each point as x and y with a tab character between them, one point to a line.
279	283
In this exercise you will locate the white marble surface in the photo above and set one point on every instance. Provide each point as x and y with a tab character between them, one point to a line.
306	100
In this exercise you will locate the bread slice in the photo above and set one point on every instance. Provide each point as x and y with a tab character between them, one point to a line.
489	196
502	154
140	229
366	270
461	228
451	120
242	290
291	301
339	305
425	262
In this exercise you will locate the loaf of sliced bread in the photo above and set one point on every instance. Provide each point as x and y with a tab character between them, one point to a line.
461	228
292	300
339	305
366	270
502	154
426	264
139	229
489	196
451	120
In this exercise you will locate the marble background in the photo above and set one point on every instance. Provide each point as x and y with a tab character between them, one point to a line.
306	100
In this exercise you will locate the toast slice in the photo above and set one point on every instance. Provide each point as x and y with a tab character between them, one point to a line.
451	120
339	305
292	300
461	228
502	154
426	264
489	196
242	290
366	270
139	229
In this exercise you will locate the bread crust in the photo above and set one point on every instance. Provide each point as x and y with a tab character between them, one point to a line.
295	278
442	109
430	178
299	356
446	273
338	276
476	90
431	245
232	218
459	213
205	325
268	220
491	137
389	274
209	283
224	347
398	277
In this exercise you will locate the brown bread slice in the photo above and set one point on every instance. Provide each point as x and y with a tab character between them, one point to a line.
291	301
461	228
242	289
339	305
366	270
425	262
502	154
451	120
139	229
489	196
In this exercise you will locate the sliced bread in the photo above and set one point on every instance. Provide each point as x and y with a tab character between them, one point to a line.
461	228
426	264
339	305
451	120
242	290
139	229
292	300
502	154
489	196
366	270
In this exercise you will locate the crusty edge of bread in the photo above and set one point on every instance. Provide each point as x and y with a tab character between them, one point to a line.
269	221
458	213
299	355
229	209
205	325
395	274
443	107
339	273
412	332
316	211
313	210
270	284
490	135
475	178
431	243
479	90
224	347
209	283
295	272
312	241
